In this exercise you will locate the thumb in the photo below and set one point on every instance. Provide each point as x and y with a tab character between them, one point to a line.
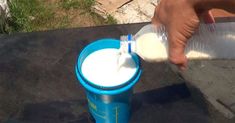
176	51
155	18
208	17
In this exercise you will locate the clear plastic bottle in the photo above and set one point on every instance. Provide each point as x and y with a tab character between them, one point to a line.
215	41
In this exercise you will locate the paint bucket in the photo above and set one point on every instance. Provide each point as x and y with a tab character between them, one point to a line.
107	104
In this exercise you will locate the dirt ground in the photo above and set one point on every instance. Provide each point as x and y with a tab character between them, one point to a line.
70	18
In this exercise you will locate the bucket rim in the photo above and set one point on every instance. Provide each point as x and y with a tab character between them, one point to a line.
108	90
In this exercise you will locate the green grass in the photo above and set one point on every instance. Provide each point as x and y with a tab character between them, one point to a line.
64	22
37	15
28	16
77	4
111	20
69	4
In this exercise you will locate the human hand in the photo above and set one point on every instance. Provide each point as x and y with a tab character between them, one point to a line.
181	19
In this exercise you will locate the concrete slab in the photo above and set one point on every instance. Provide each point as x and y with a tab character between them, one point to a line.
132	12
111	5
215	79
38	83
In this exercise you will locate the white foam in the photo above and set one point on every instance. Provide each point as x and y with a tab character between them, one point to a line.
102	68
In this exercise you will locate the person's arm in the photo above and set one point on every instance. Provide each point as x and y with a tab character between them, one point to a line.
181	18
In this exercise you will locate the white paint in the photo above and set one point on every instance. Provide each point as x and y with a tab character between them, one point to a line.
102	68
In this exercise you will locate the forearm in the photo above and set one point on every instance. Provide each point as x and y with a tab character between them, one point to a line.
228	5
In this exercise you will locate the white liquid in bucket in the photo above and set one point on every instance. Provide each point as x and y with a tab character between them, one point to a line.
102	68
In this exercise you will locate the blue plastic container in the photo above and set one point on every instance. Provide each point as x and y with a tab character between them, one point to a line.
107	104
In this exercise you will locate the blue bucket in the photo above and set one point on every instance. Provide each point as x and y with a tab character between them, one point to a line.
107	104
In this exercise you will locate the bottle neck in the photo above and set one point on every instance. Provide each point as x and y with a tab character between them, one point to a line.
127	44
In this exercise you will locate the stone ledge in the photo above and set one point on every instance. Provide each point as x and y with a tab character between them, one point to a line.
127	11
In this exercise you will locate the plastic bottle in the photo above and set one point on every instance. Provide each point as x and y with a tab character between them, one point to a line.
215	41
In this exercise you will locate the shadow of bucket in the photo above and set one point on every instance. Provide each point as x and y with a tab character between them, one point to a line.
107	104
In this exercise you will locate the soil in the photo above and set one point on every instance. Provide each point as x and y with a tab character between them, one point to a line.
70	18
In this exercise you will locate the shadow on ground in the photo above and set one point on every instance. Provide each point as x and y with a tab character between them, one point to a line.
165	105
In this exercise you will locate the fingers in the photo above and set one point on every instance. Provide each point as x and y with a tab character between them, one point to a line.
208	17
176	53
155	18
155	21
176	49
178	59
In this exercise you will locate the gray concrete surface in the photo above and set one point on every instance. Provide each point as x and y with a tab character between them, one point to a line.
38	84
215	79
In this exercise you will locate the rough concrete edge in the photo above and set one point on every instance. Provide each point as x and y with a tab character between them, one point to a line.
225	111
99	10
220	107
100	6
102	12
199	97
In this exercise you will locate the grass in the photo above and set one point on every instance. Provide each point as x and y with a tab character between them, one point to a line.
64	22
111	20
66	4
77	4
28	16
38	15
70	4
86	6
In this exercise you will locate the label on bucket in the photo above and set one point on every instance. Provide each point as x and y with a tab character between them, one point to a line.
102	68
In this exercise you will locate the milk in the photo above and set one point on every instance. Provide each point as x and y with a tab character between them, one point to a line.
151	43
150	47
102	68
